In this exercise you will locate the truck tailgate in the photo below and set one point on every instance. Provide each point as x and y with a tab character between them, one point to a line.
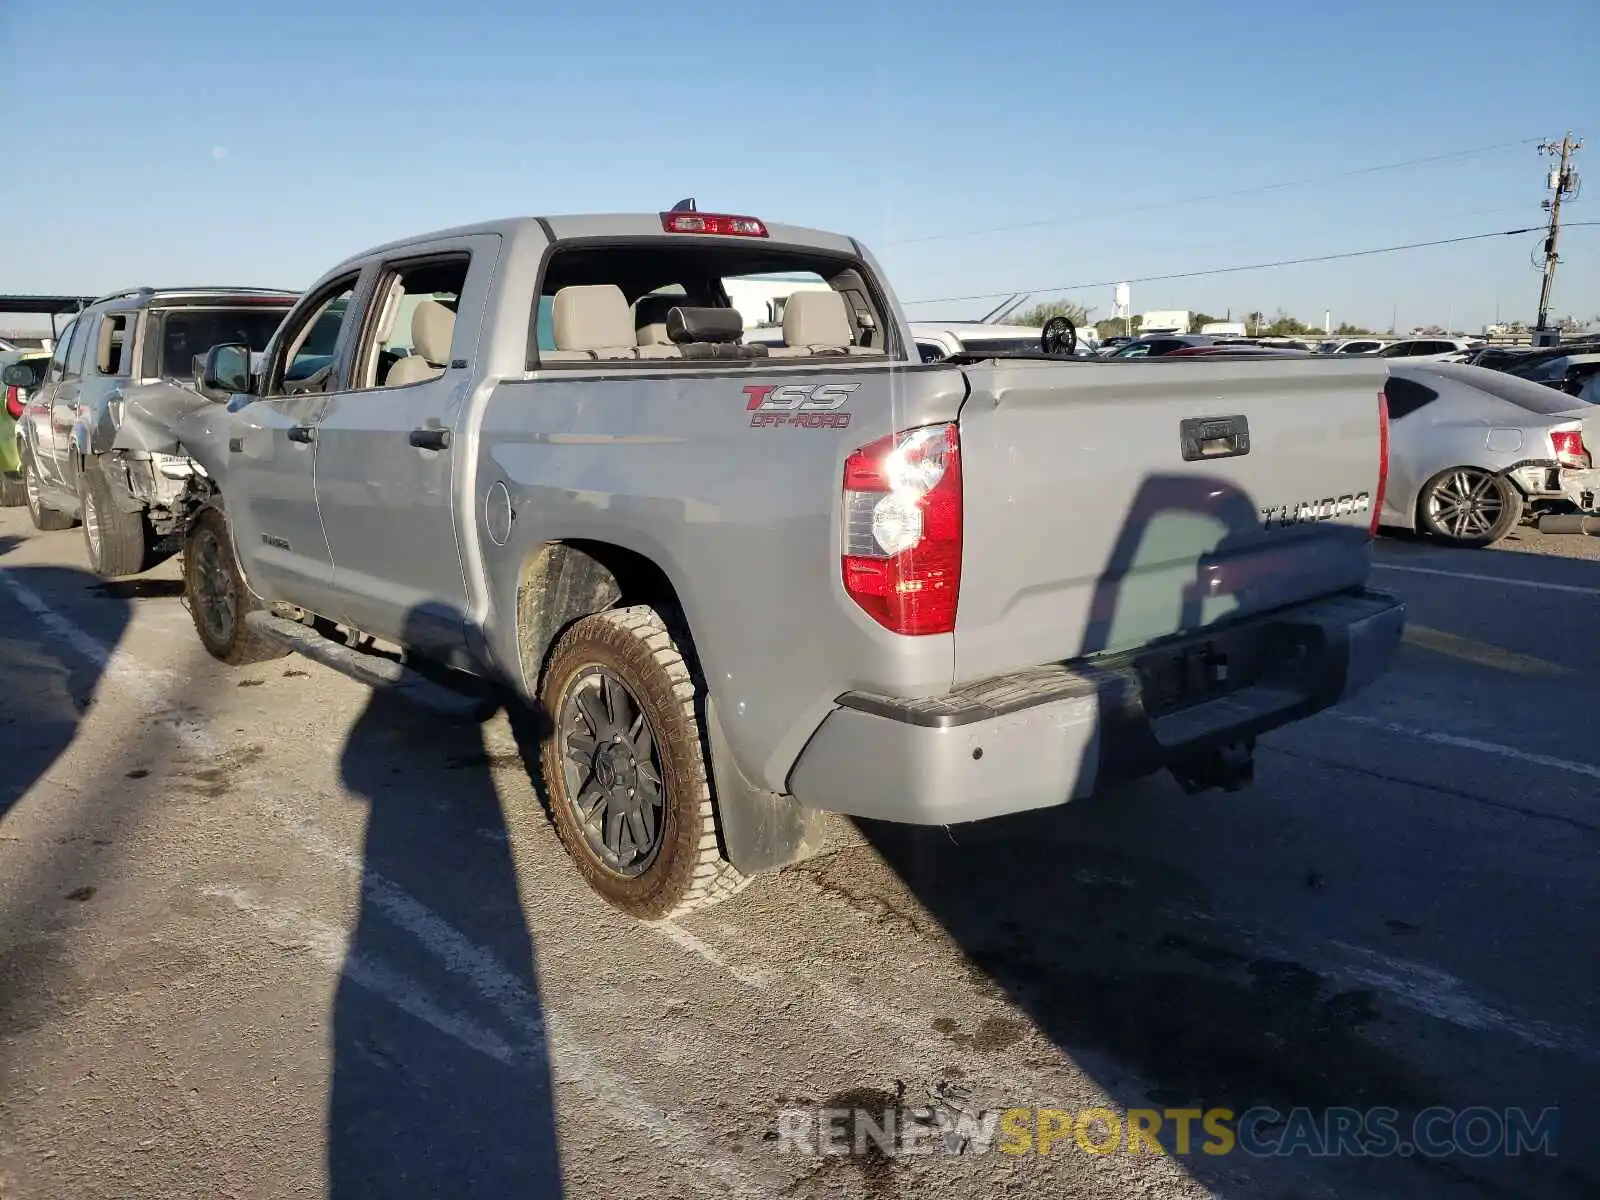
1107	505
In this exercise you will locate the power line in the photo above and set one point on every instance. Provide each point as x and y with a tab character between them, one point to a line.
1245	191
1261	266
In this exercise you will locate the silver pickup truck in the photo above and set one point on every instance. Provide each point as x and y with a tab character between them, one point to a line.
746	585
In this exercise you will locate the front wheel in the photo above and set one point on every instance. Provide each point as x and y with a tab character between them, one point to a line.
625	767
217	596
1469	507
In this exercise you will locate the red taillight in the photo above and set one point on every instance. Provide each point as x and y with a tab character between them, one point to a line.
1383	464
719	223
14	403
902	529
1569	448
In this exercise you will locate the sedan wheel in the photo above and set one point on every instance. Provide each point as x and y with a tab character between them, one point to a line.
1468	506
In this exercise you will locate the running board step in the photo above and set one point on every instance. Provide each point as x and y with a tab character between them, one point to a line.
374	670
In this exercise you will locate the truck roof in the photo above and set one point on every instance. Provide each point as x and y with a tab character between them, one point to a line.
573	226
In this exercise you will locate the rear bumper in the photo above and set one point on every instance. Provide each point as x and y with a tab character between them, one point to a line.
1050	734
1582	488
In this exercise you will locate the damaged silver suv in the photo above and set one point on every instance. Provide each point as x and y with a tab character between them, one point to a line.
95	438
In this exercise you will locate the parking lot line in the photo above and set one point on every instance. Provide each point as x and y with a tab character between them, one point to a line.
1482	653
1466	743
1535	584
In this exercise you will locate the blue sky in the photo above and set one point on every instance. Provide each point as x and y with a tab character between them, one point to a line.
175	141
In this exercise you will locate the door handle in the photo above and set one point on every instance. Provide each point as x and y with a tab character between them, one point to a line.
304	434
430	439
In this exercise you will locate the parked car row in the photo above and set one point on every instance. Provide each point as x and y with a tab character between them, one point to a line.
726	573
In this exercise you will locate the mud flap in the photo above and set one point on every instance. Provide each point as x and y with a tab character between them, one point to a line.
761	830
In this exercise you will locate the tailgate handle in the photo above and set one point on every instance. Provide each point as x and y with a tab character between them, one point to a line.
1213	437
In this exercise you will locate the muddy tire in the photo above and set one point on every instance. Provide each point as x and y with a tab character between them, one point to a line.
46	519
217	598
118	542
13	490
1469	507
625	767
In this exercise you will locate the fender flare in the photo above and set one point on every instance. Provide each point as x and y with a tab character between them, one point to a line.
563	582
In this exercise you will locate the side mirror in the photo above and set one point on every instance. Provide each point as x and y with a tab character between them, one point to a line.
24	375
226	372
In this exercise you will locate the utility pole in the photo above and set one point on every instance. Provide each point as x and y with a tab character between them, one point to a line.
1562	183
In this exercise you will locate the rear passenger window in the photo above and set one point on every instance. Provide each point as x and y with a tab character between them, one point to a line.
1405	396
412	328
666	302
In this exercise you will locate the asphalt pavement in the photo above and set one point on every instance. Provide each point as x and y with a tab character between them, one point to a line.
266	933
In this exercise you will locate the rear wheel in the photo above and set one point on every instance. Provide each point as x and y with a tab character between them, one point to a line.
44	517
625	767
217	596
118	541
1469	507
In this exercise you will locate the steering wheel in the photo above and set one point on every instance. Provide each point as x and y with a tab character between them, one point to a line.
1060	337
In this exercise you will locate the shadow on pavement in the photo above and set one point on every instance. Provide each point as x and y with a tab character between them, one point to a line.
48	689
441	1079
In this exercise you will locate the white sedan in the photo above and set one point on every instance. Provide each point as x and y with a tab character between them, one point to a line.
1425	349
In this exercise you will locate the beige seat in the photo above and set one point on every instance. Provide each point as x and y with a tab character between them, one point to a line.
433	327
650	318
591	322
817	323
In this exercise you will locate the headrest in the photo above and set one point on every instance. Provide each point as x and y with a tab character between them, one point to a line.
704	325
591	316
817	319
650	318
433	326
